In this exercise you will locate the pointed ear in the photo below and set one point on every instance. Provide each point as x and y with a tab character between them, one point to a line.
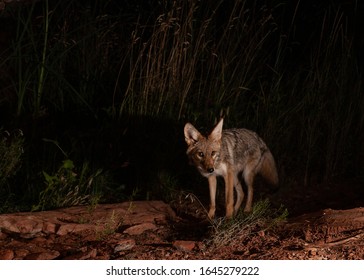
192	135
217	131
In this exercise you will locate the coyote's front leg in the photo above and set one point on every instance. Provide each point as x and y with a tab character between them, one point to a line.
229	194
212	187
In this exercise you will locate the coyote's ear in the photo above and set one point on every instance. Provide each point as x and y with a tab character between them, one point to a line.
192	135
217	131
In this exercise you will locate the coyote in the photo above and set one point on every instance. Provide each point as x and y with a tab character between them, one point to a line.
230	153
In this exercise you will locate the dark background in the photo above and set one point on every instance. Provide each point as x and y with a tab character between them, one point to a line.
94	96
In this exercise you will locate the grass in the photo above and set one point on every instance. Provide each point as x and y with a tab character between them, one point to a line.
69	187
180	66
243	225
83	73
109	226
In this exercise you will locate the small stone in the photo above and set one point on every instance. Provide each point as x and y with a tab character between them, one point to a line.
3	235
6	254
139	229
73	228
184	245
124	245
21	253
312	252
83	255
90	254
40	240
49	255
49	227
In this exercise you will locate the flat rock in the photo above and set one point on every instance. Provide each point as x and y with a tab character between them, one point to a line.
105	217
57	234
140	228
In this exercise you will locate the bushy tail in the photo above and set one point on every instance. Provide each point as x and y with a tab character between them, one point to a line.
268	169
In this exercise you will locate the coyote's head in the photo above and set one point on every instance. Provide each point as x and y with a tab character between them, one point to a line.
204	151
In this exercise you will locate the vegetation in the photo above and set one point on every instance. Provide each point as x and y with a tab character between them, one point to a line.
243	225
113	82
11	151
67	188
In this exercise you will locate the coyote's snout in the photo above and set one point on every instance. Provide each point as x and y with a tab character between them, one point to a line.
230	153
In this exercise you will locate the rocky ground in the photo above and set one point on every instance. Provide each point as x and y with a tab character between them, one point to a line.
156	230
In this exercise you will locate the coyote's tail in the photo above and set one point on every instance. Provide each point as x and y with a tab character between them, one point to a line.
268	169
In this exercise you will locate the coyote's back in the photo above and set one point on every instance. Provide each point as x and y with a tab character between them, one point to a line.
242	148
232	154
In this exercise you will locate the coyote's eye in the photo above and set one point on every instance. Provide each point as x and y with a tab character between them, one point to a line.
200	154
213	153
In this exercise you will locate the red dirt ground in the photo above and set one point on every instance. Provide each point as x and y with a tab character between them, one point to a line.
310	232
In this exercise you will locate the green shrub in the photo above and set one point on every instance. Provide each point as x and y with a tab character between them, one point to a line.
69	187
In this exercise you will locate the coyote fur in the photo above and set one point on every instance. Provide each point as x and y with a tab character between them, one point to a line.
230	153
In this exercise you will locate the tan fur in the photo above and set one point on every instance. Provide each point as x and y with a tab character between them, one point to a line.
232	154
